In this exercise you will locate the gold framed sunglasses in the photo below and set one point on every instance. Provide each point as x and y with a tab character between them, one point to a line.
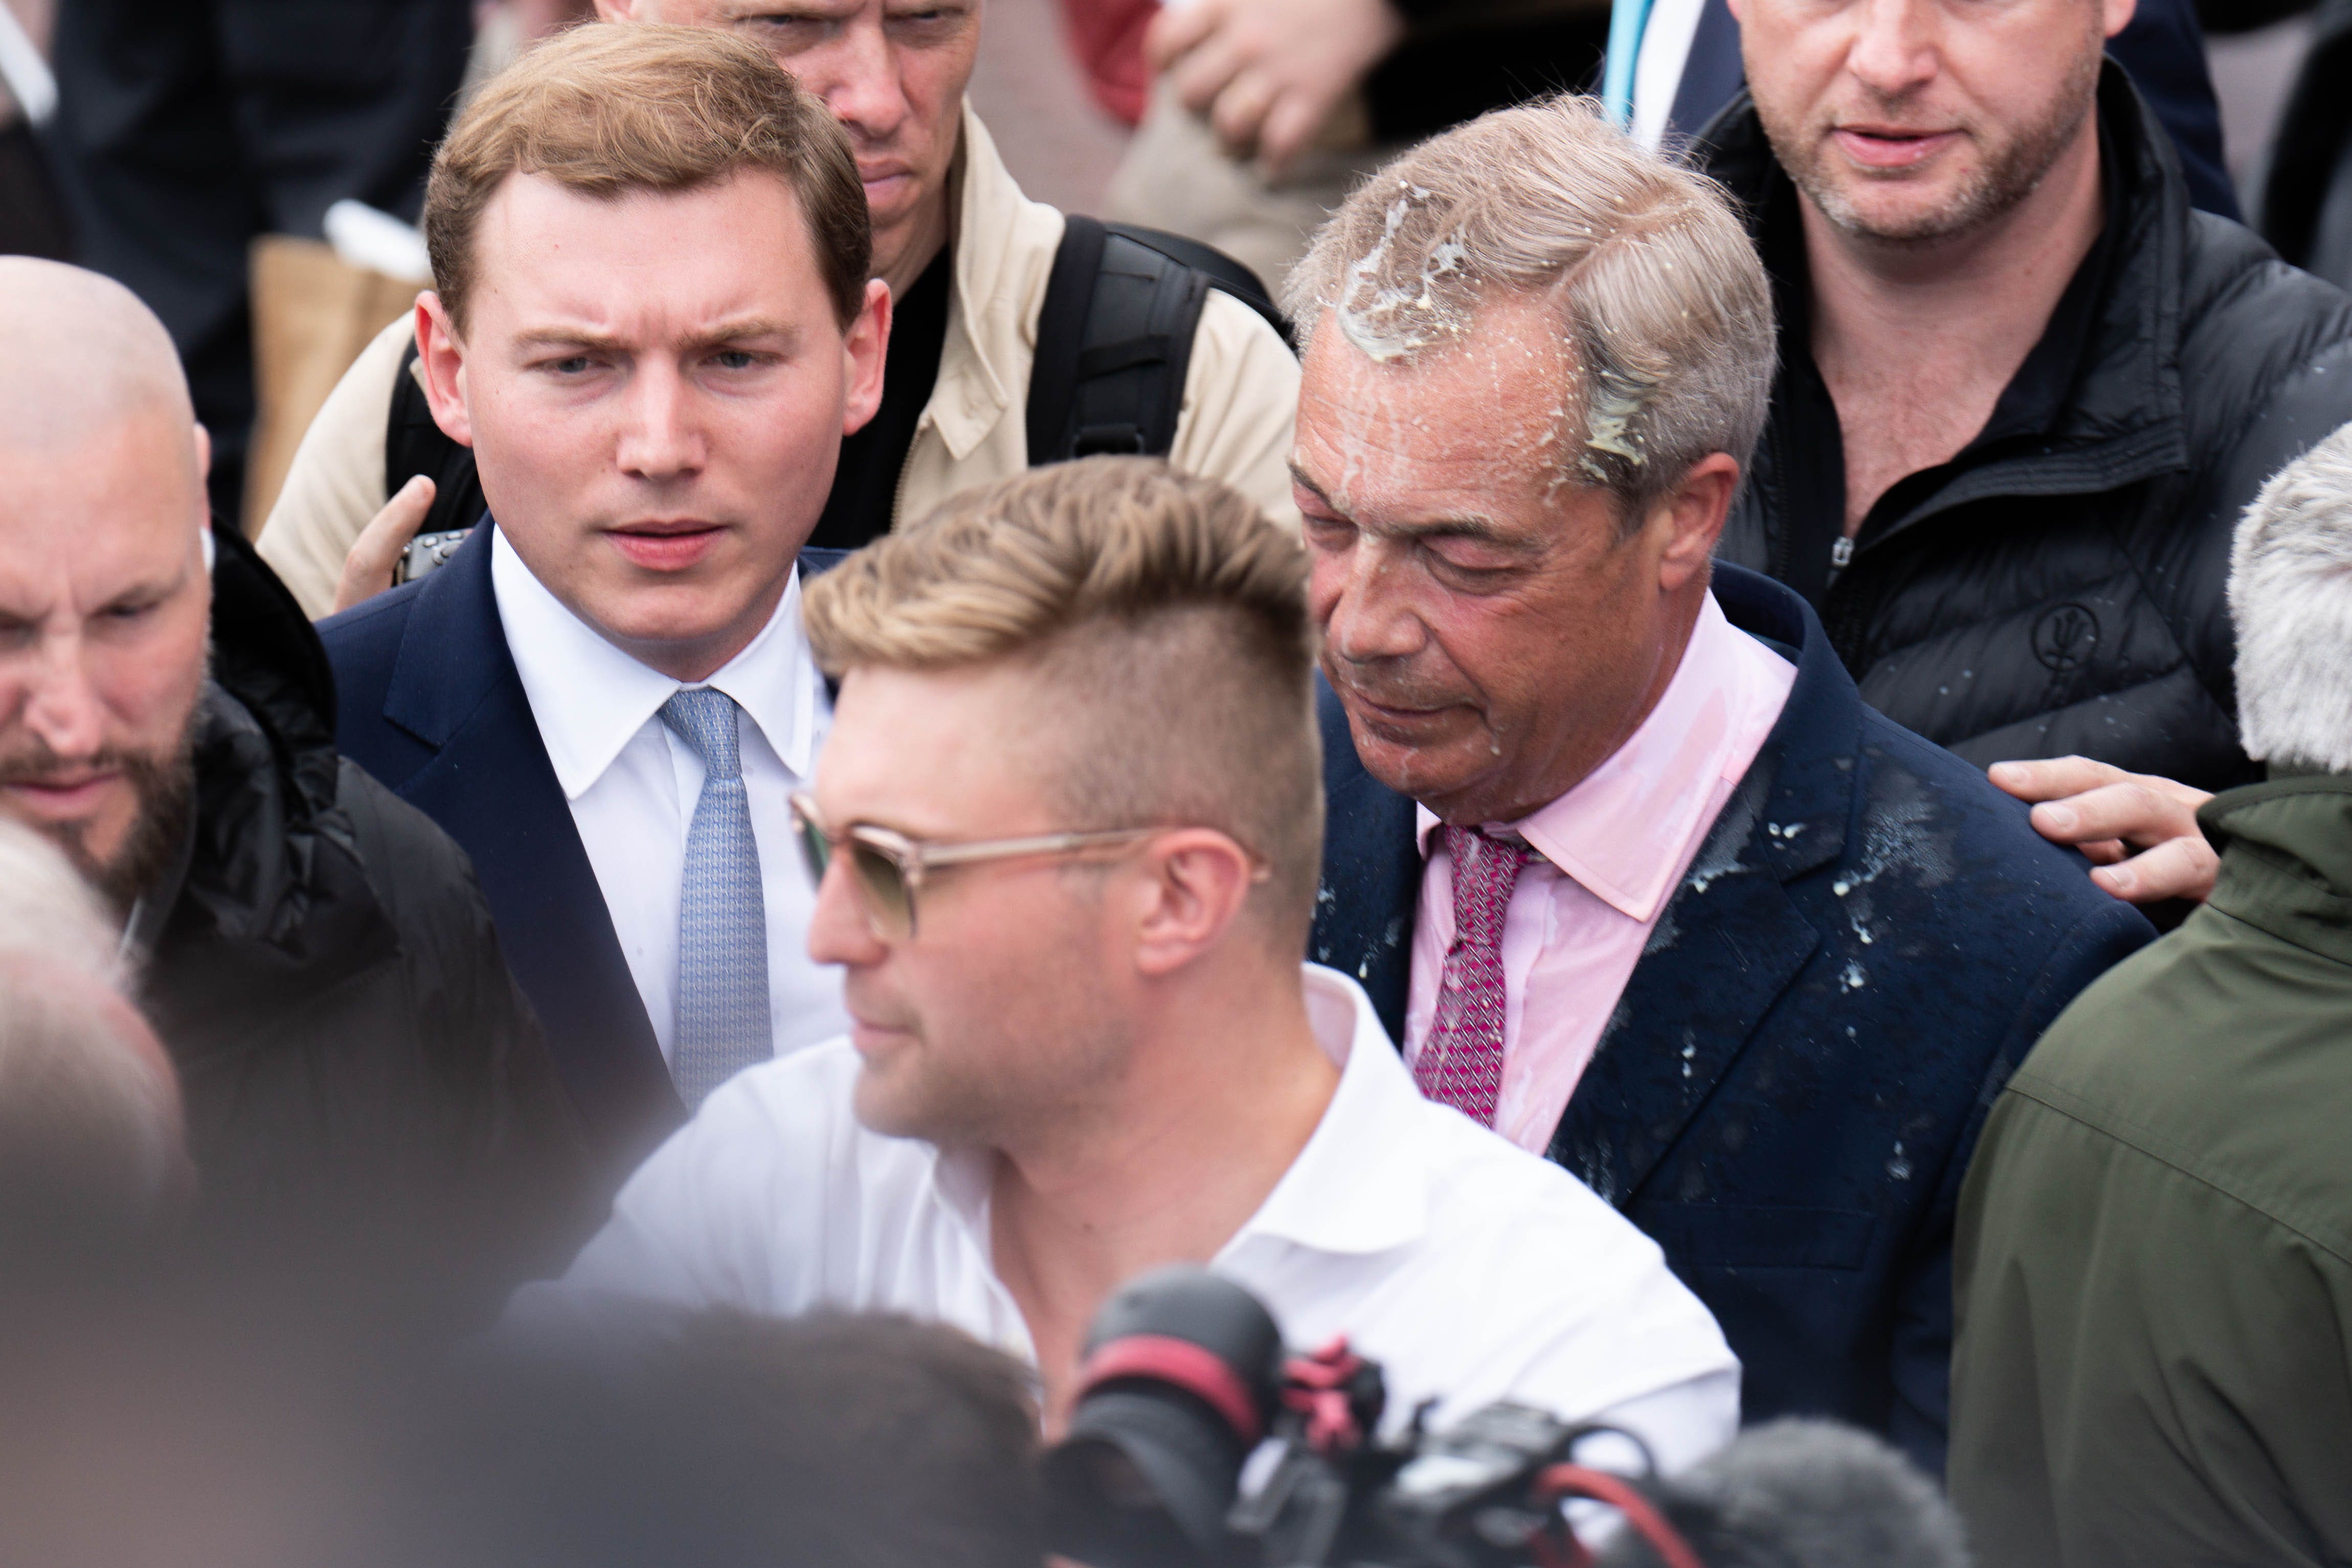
890	867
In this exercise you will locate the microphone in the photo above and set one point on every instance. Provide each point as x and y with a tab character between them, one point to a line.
1802	1494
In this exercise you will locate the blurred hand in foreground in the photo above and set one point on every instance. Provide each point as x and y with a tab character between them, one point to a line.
1268	74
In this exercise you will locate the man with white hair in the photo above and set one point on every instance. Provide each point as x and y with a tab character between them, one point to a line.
1616	849
314	954
2154	1264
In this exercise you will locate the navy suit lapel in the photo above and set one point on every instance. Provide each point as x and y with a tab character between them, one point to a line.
1371	873
1732	941
1712	72
491	786
1726	947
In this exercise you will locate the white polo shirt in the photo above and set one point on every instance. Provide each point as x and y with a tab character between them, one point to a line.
1472	1270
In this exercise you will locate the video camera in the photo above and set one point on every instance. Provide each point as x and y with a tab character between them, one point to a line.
1200	1441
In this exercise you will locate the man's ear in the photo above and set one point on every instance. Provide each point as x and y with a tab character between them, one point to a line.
441	358
1197	882
866	348
1692	517
203	503
2117	14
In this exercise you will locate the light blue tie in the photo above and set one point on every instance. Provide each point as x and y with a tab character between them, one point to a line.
722	926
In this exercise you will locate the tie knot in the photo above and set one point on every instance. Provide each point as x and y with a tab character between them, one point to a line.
1485	869
706	720
1475	844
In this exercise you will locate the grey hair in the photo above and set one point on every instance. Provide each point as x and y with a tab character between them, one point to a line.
48	911
1667	315
79	1101
2290	596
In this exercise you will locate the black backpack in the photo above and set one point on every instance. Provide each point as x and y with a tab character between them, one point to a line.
1114	340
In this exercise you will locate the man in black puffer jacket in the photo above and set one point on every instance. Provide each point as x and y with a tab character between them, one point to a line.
2024	389
366	1090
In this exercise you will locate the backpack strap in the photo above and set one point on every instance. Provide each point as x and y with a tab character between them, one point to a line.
413	445
1114	338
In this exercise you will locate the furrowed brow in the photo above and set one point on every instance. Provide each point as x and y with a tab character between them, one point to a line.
744	331
719	336
567	338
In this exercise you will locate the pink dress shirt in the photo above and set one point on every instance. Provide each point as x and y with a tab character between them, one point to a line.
1612	851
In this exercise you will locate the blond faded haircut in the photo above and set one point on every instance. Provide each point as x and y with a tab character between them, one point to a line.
1663	306
1165	607
2291	597
614	107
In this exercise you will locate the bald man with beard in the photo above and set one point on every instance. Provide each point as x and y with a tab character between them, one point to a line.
315	955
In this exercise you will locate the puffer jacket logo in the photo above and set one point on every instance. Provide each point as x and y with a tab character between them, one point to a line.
2065	636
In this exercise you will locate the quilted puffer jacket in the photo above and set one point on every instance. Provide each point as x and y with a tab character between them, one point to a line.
2058	587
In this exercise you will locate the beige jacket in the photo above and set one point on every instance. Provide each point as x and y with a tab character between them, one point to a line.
1241	393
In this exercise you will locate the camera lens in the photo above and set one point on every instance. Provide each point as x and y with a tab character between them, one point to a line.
1179	1384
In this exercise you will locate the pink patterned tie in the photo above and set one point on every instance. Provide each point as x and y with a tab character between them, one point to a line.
1461	1063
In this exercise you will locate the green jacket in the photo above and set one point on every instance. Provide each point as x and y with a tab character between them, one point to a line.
2153	1269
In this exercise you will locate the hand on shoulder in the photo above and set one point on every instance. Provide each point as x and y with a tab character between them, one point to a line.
2138	830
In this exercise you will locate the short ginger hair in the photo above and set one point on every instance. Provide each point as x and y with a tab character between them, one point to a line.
1168	608
609	108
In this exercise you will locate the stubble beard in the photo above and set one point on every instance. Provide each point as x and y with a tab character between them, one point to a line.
164	785
2013	172
1002	1096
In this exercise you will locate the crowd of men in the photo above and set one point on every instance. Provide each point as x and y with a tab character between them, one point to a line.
1716	661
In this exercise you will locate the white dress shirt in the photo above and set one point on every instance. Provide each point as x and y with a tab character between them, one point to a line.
1473	1271
633	787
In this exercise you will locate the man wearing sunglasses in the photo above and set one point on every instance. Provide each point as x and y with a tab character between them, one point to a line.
1067	828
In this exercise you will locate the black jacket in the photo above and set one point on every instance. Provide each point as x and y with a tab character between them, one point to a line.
2058	587
355	1059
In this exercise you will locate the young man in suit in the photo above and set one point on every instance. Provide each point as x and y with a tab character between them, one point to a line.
653	327
1614	846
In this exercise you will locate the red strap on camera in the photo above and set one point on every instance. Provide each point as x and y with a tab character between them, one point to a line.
1200	1372
1559	1482
1316	1387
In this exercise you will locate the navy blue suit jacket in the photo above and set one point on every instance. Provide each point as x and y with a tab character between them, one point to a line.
1867	943
428	701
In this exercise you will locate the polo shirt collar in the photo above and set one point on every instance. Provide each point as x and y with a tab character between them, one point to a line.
1361	1183
589	697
